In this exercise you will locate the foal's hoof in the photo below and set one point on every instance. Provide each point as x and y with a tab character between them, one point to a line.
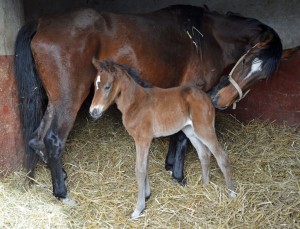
136	214
68	201
232	194
147	197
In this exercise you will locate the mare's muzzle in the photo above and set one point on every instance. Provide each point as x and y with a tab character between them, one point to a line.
213	93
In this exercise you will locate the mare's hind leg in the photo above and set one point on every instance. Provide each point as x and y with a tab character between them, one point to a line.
63	119
175	157
202	151
37	140
209	138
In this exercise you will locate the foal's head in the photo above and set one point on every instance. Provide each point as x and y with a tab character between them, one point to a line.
106	87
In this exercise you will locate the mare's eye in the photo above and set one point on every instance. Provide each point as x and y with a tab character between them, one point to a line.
107	87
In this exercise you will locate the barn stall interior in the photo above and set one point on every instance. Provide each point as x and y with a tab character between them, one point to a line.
263	144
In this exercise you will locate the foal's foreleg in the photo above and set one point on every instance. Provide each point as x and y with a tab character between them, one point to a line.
142	159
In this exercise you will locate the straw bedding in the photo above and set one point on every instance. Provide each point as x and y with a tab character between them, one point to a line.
100	159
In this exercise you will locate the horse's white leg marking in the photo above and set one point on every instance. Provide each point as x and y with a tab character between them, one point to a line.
255	67
142	152
69	201
98	80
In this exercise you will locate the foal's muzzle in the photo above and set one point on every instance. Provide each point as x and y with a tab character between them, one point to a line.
95	113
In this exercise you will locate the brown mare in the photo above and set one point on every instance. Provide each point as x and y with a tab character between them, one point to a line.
148	113
173	46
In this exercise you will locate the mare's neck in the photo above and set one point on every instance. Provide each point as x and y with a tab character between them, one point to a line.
130	93
234	45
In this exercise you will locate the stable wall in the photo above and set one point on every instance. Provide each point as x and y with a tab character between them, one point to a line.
283	16
11	147
276	99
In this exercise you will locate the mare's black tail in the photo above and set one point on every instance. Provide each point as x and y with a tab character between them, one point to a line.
29	89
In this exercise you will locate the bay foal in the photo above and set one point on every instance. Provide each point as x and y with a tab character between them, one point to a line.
154	112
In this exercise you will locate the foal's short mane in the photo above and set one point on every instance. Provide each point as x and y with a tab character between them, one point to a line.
111	66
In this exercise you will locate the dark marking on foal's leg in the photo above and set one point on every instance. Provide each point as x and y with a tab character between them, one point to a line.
178	166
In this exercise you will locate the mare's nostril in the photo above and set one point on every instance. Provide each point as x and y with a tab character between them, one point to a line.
215	100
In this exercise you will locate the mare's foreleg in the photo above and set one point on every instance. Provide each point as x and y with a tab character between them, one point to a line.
175	157
142	160
170	158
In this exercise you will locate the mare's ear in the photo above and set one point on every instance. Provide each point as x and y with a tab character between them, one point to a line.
265	39
96	63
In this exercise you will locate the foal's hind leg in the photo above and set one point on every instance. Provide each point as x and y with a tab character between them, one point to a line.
203	153
209	138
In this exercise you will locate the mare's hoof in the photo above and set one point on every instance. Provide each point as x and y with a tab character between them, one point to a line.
181	181
168	167
68	201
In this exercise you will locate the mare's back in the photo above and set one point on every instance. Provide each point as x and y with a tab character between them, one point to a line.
71	22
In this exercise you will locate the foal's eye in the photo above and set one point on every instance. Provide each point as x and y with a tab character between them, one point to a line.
107	87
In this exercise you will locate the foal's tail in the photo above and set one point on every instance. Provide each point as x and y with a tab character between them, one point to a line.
29	89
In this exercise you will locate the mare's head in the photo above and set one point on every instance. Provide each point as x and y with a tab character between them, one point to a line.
106	86
262	51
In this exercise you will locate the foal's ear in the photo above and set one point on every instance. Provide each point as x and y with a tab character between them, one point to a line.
96	63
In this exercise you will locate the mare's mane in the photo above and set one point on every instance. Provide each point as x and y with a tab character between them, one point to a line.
111	66
190	17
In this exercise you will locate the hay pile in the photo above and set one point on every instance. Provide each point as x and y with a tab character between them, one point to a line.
100	157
